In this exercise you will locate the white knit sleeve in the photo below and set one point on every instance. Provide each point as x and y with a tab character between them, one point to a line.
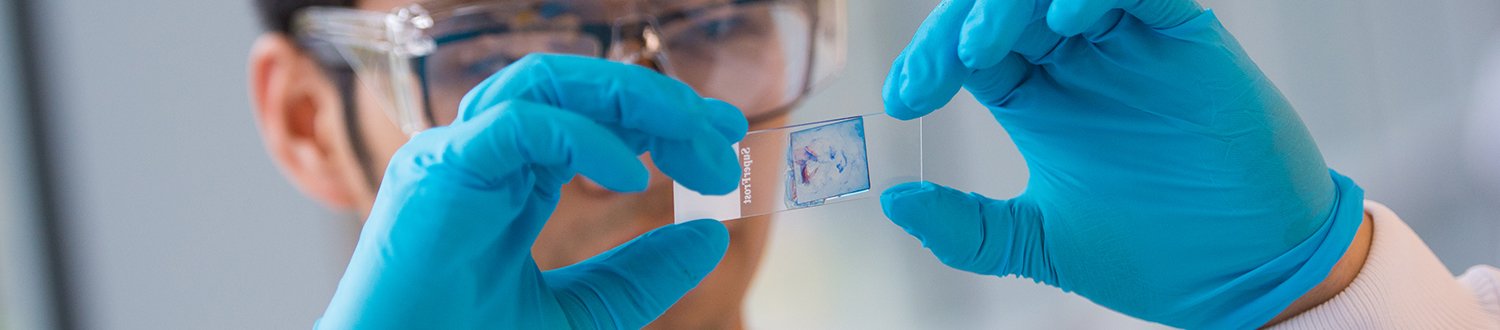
1403	286
1484	282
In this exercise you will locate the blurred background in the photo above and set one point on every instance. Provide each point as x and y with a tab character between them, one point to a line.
135	193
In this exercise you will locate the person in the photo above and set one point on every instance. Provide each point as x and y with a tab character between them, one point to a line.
332	125
1170	181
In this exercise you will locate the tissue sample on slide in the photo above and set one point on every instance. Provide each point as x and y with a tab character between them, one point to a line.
827	161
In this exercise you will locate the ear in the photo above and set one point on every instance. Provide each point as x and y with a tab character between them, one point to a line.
291	93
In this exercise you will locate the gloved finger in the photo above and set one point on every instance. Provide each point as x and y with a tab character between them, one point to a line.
890	92
727	119
520	134
630	285
928	73
616	94
992	85
991	30
1071	17
707	165
970	232
1164	13
647	110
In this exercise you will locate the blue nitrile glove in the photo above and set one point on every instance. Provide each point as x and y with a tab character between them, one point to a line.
448	243
1169	179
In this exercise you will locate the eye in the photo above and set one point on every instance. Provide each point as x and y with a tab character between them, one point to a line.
720	29
487	65
723	28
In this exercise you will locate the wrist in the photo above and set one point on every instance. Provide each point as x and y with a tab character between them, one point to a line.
1339	277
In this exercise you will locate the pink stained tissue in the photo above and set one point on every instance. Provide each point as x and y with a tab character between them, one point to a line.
826	162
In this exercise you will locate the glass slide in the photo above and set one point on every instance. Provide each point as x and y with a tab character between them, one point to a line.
810	165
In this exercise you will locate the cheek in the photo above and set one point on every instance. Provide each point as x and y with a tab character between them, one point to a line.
379	135
659	180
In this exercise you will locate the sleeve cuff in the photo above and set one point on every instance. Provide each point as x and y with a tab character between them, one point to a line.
1484	282
1401	286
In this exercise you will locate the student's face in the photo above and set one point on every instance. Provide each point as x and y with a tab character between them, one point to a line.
305	130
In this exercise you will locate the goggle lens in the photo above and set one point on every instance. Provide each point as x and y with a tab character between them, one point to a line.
760	55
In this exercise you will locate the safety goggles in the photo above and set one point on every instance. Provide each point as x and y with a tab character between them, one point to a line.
760	55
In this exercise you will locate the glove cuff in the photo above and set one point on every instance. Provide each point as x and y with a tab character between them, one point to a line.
1305	265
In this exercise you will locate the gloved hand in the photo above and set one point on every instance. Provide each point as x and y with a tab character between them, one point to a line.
1169	179
448	243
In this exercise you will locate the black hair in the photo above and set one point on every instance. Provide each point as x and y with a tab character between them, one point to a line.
276	15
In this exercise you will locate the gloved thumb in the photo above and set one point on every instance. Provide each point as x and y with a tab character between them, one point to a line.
969	231
630	285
